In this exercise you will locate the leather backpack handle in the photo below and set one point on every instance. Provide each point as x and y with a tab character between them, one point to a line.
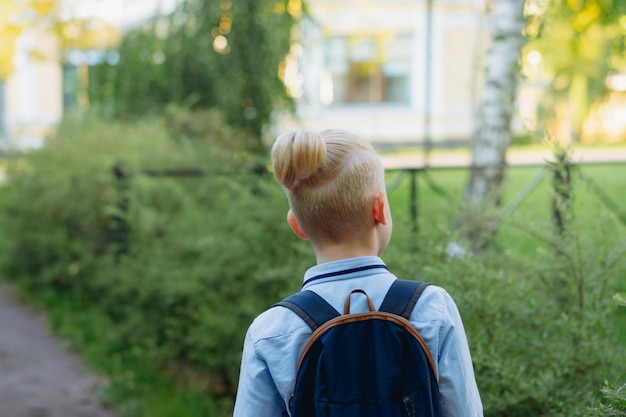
346	306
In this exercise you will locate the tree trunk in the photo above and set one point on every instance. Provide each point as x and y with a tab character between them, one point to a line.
493	136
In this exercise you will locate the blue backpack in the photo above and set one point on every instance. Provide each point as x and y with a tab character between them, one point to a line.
372	364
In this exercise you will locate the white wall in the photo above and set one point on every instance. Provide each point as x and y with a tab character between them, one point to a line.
459	36
33	92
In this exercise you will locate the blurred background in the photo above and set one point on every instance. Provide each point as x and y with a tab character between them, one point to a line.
398	72
138	212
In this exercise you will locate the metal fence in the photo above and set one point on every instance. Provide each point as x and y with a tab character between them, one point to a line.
561	171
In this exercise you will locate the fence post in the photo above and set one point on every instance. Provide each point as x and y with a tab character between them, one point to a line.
120	231
413	198
562	186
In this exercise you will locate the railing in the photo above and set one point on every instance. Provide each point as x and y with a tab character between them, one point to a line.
120	231
562	172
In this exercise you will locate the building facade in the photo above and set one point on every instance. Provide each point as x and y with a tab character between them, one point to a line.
31	97
397	72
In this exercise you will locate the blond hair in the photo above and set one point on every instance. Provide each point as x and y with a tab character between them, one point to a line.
330	178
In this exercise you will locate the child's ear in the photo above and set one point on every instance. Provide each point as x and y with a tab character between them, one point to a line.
380	201
293	222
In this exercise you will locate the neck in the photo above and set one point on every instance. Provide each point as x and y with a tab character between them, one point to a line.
333	251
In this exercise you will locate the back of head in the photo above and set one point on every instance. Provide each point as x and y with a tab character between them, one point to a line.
330	178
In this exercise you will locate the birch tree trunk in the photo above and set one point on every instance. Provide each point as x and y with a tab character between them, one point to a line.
493	136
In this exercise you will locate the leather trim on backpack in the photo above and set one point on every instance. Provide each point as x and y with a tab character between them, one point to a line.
379	315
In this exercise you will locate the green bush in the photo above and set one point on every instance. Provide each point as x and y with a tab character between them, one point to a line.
613	402
201	255
538	308
532	353
159	275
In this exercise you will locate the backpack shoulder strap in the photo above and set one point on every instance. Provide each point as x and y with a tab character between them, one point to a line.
311	308
402	297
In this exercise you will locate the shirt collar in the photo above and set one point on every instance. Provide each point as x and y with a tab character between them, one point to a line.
342	269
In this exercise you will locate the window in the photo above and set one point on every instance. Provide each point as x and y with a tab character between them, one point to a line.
372	69
71	88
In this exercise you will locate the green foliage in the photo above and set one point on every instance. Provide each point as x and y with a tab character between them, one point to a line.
538	308
207	54
201	257
613	403
581	43
536	351
165	320
523	139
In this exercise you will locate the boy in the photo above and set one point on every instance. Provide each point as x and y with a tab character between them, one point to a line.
334	182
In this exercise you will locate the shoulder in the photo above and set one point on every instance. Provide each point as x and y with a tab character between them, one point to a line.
276	322
435	296
435	305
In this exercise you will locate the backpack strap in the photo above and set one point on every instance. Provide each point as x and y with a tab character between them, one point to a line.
402	297
311	308
315	311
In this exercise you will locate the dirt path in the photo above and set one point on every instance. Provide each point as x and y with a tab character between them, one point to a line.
39	377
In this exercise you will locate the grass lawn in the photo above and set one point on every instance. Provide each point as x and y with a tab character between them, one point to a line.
439	192
519	237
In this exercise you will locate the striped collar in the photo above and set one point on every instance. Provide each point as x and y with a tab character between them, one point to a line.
343	269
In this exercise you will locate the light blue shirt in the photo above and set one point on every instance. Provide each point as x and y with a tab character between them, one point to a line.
276	338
